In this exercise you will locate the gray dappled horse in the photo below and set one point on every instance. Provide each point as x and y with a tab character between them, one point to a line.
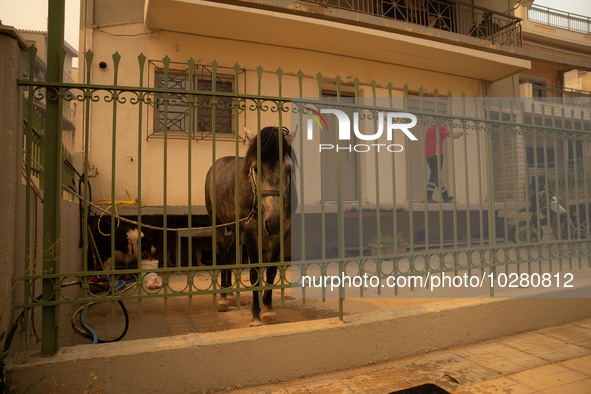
270	211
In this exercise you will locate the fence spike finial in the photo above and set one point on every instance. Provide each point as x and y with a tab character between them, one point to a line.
141	59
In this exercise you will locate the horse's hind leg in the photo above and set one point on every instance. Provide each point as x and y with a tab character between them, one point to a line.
269	316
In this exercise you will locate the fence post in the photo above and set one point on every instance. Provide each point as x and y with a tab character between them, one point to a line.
52	182
11	126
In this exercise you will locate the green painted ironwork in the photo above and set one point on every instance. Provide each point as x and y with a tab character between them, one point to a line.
492	133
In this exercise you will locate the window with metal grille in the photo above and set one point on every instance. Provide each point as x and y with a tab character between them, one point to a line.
187	106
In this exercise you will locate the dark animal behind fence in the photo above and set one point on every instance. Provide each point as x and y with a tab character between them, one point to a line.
271	207
127	253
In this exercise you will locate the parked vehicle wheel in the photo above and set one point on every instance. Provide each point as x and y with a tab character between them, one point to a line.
581	231
560	230
520	234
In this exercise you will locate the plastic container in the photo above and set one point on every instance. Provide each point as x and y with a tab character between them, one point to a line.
149	264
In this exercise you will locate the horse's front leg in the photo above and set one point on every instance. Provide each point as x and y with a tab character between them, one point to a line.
226	281
256	308
225	274
269	316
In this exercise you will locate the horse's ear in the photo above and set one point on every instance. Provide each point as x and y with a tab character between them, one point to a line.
294	133
249	135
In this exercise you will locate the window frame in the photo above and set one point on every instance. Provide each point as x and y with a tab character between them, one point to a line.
178	125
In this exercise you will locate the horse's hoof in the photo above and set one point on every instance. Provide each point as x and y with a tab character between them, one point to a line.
231	300
256	323
269	317
223	306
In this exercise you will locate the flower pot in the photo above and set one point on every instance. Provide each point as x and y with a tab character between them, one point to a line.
387	248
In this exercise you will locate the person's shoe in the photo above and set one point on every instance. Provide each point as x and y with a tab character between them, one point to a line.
430	200
449	199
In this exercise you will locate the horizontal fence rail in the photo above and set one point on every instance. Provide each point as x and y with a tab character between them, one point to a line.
504	163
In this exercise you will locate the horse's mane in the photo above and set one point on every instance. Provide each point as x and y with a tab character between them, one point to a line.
269	147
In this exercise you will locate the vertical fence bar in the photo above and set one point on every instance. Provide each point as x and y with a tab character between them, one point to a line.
85	227
536	182
166	62
577	233
466	176
547	184
260	270
586	196
503	178
377	190
450	123
215	272
141	64
394	202
516	196
322	194
28	169
358	183
166	98
424	166
340	215
280	104
479	170
440	187
238	275
556	185
52	178
115	96
488	148
526	175
189	276
409	181
560	221
302	197
190	109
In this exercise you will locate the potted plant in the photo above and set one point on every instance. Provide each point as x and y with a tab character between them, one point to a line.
388	243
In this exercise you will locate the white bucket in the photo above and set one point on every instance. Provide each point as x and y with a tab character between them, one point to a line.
149	264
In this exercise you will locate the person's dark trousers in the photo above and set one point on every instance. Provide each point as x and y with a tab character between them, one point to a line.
433	183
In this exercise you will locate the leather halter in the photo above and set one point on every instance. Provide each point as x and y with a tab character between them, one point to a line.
264	192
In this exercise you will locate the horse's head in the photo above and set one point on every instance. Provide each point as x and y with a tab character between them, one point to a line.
275	175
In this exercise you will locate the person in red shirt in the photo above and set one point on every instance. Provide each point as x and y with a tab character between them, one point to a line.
431	155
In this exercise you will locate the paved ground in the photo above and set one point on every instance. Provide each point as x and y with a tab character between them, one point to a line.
551	360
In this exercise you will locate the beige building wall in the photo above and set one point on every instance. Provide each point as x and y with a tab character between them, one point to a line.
131	39
127	33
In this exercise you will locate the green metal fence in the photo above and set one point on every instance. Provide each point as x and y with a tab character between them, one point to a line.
505	154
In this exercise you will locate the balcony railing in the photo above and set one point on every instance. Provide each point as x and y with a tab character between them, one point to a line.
559	19
440	14
562	95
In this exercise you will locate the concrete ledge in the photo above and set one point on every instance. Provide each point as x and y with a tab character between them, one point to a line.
254	356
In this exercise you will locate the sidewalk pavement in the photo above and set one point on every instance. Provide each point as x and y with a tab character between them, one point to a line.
550	360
